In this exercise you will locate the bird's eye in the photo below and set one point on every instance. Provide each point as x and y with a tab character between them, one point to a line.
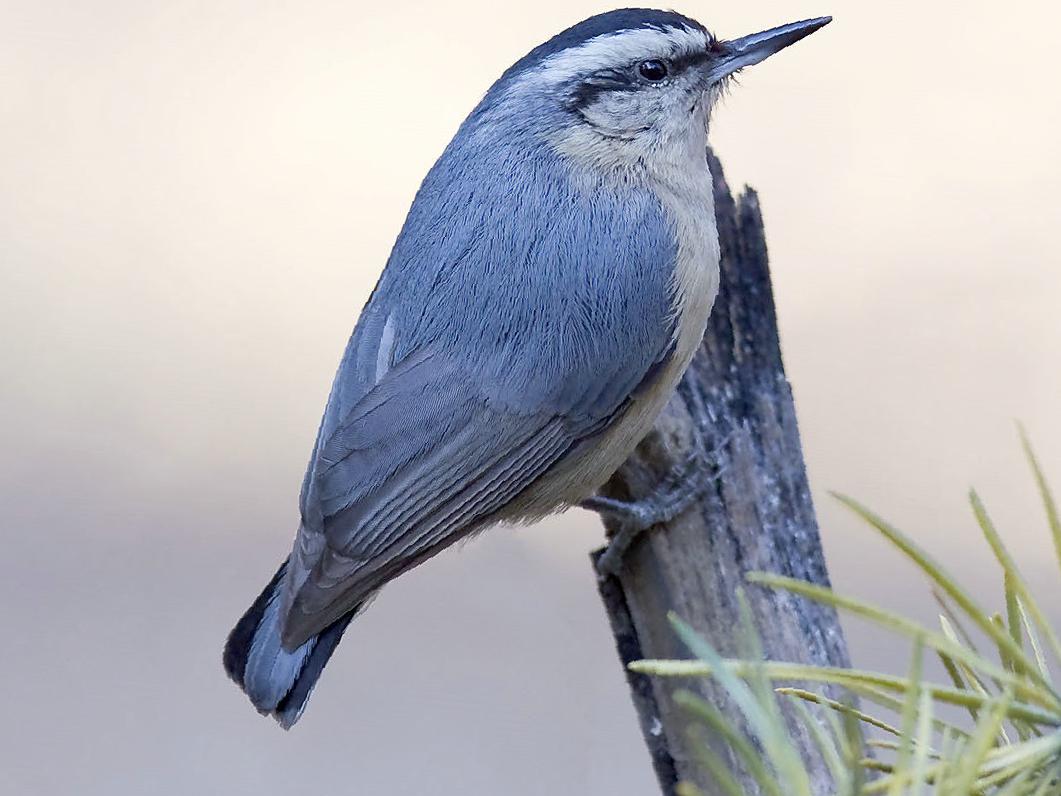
653	70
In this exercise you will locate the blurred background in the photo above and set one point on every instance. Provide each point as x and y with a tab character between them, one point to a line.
195	201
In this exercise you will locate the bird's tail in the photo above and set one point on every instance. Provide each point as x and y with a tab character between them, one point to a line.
277	681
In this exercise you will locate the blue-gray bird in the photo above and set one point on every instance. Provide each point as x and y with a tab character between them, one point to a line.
550	285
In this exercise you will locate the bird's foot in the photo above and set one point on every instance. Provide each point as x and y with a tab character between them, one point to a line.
677	491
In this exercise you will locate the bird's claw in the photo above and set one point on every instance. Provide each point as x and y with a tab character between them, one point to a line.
674	494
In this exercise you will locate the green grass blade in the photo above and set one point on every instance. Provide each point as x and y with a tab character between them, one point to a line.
956	678
1009	567
1033	640
775	740
712	762
840	707
940	642
1048	785
1037	749
961	634
825	743
889	702
909	719
980	744
949	586
852	679
728	731
1053	518
1013	619
792	767
854	744
922	747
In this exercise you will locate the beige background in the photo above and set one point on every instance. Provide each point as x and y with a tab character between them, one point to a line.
196	198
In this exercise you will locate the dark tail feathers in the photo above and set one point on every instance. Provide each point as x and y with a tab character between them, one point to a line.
278	682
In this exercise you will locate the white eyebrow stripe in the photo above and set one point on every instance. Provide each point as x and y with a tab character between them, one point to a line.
613	49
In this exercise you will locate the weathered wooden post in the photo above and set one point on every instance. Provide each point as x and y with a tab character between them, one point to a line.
756	515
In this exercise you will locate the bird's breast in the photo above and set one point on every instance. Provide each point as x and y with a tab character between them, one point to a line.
688	203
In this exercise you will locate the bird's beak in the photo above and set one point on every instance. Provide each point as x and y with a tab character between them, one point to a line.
750	50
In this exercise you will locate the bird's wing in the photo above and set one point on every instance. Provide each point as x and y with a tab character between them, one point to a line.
417	461
441	442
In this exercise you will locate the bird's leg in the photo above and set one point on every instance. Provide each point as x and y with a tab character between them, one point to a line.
677	491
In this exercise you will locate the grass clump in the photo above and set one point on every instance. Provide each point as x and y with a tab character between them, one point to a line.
992	728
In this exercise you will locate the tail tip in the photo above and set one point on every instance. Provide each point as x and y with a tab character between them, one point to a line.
278	682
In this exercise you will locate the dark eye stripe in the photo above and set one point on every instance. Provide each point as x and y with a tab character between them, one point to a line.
585	91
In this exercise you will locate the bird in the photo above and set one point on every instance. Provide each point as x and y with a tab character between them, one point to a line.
549	287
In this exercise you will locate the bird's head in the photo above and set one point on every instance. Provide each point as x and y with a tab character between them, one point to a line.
633	84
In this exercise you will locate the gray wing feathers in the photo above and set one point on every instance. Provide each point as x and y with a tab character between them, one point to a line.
411	469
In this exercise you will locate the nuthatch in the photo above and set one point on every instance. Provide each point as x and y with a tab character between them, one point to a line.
548	290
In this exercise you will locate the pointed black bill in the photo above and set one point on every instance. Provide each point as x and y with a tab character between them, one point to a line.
750	50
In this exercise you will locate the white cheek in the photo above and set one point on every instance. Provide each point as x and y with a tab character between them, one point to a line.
657	130
626	113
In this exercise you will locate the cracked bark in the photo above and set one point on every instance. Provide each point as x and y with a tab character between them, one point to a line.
757	515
